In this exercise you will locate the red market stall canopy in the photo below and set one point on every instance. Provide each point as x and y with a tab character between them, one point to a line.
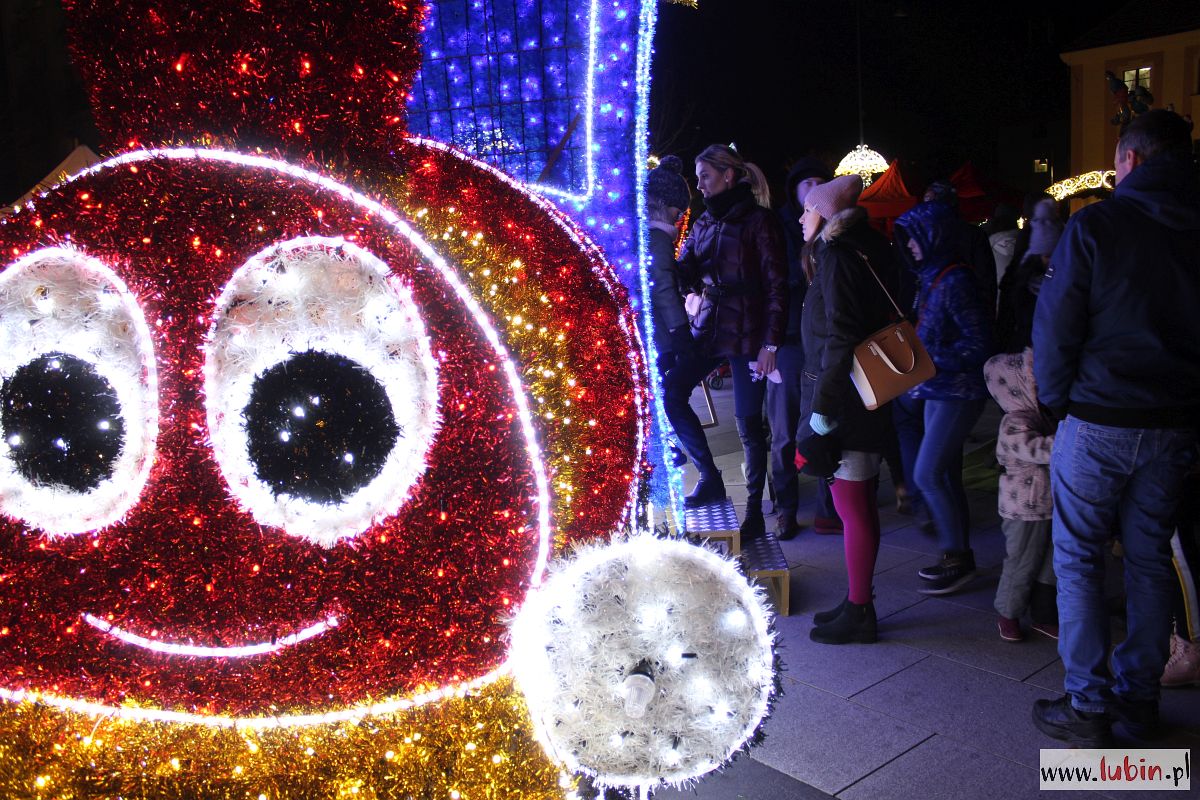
979	194
890	194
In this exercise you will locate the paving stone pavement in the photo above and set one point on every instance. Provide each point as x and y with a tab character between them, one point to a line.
939	708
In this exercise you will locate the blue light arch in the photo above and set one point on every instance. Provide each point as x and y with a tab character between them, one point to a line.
556	94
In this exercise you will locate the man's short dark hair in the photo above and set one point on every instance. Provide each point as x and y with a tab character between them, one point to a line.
1157	131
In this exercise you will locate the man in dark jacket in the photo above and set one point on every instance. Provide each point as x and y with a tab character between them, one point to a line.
783	398
1116	343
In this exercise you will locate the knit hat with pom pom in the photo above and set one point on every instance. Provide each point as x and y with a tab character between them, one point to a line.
665	184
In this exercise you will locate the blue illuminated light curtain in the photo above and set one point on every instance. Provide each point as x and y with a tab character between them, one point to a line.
507	81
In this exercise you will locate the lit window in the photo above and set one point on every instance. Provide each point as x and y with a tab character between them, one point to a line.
1138	77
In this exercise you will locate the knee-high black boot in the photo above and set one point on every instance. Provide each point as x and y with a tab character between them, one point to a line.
754	450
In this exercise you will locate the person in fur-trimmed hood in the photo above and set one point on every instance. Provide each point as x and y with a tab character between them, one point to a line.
1023	447
844	305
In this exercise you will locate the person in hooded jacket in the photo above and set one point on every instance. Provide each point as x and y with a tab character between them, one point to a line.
667	197
1117	335
1021	283
846	302
1023	449
955	326
783	398
734	258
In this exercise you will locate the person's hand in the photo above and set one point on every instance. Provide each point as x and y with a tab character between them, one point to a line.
821	424
766	362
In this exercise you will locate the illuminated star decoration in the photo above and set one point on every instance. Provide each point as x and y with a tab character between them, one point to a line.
228	655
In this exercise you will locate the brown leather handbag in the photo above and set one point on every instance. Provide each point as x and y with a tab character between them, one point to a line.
891	360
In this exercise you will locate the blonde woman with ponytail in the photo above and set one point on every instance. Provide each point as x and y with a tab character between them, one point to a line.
735	258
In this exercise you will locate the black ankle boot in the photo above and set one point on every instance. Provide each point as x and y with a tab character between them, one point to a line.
707	490
855	623
823	617
754	526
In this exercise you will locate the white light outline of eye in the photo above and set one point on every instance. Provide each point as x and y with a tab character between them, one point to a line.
533	451
75	325
367	315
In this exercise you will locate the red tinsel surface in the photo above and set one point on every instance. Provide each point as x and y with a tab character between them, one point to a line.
420	597
325	79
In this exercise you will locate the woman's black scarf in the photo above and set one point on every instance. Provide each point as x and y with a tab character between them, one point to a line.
720	204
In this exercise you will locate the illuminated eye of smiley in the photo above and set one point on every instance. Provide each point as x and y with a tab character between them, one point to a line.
78	398
321	389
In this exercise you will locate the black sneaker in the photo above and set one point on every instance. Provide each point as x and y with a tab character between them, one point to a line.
1060	720
955	572
936	572
932	572
1140	720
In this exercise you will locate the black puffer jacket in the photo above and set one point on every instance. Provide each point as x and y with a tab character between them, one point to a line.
845	305
737	260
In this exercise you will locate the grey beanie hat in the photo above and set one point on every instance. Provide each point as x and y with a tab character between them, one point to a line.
665	184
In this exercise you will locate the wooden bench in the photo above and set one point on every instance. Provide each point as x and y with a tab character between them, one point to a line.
763	560
717	522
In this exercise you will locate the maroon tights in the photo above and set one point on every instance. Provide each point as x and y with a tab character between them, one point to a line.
855	504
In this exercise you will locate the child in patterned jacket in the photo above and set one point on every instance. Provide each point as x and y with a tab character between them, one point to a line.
1023	447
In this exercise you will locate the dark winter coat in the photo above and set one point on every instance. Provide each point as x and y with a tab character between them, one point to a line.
952	321
793	233
1117	325
1018	298
844	306
735	257
666	302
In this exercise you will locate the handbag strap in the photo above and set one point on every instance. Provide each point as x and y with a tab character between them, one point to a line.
932	286
879	352
888	294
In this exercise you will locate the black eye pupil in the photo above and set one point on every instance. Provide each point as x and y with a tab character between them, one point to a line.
62	422
320	427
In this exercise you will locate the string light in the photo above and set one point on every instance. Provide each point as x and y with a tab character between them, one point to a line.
241	651
1098	180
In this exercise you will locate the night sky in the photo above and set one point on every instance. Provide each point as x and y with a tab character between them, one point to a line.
940	77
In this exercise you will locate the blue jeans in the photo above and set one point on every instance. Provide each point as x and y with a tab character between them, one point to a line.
684	376
1106	479
939	466
783	416
908	416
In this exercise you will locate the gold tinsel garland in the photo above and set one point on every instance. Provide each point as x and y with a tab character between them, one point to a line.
467	748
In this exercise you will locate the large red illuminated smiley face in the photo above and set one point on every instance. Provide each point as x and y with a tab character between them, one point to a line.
263	454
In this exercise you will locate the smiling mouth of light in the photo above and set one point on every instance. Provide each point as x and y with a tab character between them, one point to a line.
241	651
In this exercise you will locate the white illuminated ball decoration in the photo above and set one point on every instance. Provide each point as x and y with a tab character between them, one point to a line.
645	662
